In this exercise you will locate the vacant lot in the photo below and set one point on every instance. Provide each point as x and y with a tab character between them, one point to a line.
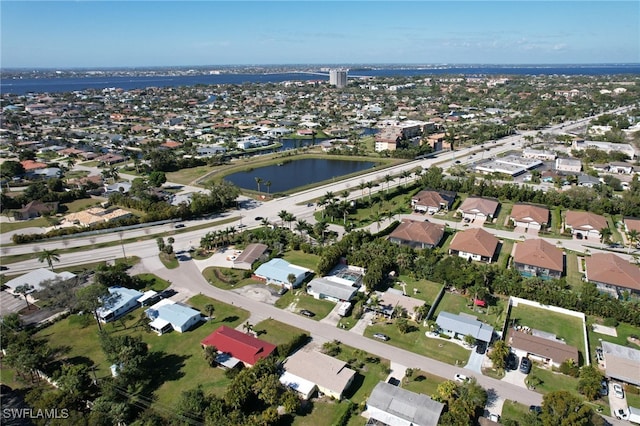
298	299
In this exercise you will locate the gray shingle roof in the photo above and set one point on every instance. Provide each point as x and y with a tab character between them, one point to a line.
465	325
395	402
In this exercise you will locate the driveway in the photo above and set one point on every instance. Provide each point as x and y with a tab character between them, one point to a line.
616	403
515	377
333	317
258	292
475	362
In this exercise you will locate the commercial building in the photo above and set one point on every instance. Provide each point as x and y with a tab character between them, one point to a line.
338	78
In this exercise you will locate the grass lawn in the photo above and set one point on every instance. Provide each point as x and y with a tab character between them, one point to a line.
82	204
615	233
178	364
422	382
169	260
40	222
556	220
516	412
505	211
574	276
506	247
227	279
633	399
186	176
427	290
563	326
417	342
276	332
298	300
554	381
324	412
306	260
371	370
455	303
153	282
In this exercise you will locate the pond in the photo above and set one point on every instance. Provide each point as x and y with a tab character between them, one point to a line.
295	173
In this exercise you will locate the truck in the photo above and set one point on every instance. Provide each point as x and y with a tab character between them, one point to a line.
344	309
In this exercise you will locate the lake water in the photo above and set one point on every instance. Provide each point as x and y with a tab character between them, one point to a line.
297	173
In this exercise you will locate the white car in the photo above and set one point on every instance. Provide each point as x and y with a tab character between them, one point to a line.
622	414
617	391
494	417
460	378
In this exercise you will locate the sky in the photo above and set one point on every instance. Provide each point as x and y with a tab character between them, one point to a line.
94	34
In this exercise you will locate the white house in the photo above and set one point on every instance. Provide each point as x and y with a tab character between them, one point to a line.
394	406
38	278
277	271
167	314
123	301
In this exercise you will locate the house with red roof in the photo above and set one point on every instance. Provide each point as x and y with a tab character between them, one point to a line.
30	165
235	346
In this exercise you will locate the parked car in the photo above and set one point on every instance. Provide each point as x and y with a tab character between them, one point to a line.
494	417
512	361
393	381
307	313
460	378
481	347
282	291
617	391
259	218
535	409
525	365
381	336
604	388
622	414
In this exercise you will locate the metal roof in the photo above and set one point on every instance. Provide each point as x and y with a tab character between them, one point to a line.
395	403
465	325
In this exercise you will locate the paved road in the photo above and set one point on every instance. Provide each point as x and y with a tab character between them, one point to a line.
188	281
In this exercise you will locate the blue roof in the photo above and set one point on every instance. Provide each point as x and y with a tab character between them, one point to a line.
175	314
278	270
126	295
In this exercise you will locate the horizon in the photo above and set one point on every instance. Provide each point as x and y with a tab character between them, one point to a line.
149	34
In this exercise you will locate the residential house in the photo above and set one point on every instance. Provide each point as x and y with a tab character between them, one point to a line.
568	165
35	208
393	406
432	201
38	279
121	301
529	216
621	362
478	207
110	159
237	347
167	315
417	234
458	326
585	224
612	274
631	223
95	215
621	168
588	181
250	255
474	244
331	376
278	271
117	188
30	165
541	347
538	258
329	289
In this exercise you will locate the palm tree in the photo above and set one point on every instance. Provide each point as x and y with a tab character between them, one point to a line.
291	278
247	327
320	228
387	178
405	174
258	181
605	235
369	185
301	226
209	308
50	256
24	290
633	236
377	218
345	194
268	185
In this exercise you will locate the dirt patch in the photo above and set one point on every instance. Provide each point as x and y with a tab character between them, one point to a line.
634	340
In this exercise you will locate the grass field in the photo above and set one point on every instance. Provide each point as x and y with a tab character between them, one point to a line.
415	341
309	261
153	282
186	176
169	260
574	276
506	248
227	279
422	382
276	332
563	326
324	412
623	330
516	412
455	303
427	290
552	381
178	361
298	300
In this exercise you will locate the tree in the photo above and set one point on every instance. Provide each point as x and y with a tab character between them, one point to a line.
24	290
209	308
268	185
49	256
498	354
469	339
258	182
10	169
291	278
157	179
590	382
210	354
403	325
633	236
561	408
94	296
247	327
605	235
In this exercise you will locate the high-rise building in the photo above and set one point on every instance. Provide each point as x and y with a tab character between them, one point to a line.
338	78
